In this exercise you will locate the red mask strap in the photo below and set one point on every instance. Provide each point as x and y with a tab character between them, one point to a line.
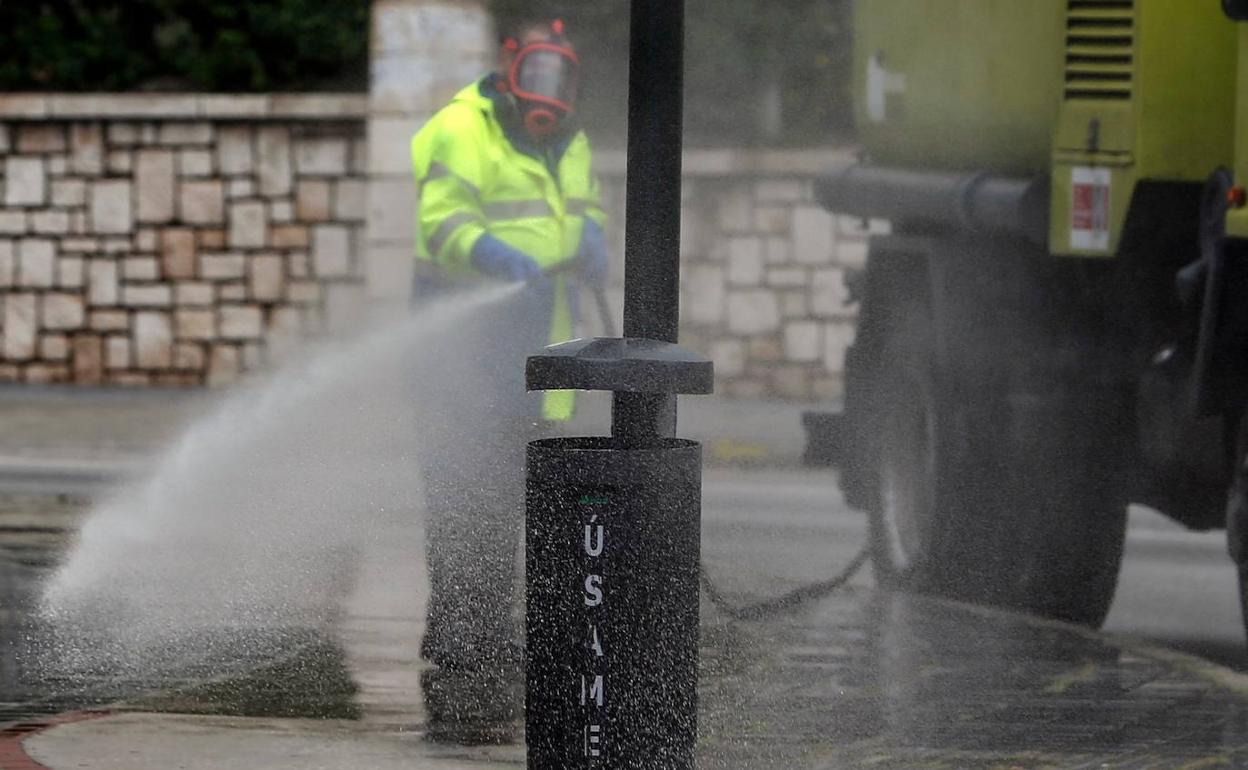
514	82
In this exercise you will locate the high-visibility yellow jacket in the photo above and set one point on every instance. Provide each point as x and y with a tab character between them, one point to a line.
472	180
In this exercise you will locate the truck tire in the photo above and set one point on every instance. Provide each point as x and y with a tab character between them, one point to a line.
988	495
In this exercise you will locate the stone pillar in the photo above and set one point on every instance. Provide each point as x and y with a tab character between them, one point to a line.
423	53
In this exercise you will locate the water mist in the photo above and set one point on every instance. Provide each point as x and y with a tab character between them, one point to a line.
252	521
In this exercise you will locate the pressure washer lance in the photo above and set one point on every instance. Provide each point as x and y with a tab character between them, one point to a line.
758	610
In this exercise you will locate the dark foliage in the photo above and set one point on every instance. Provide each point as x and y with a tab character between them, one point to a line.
210	45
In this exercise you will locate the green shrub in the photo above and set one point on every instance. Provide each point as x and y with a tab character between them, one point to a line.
206	45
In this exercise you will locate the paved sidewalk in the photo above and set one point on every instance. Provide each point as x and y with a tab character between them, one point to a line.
858	679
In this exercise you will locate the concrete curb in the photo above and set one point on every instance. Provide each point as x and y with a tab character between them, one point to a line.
751	432
13	754
82	475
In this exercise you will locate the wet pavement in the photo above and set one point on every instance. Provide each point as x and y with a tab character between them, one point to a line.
873	680
244	672
856	679
33	531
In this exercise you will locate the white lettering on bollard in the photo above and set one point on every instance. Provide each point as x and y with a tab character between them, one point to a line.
593	739
593	590
597	690
590	547
594	685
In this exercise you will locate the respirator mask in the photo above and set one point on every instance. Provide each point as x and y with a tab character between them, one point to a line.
543	79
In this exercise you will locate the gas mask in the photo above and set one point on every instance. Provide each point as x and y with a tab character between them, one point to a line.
543	79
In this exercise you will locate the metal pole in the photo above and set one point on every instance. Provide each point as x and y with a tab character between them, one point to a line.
613	525
652	233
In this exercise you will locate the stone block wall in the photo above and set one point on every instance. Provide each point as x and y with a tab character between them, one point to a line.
172	240
180	240
764	269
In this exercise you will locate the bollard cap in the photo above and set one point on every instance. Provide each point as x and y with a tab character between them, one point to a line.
623	365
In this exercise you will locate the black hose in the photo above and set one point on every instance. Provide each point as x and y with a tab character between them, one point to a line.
604	311
798	596
596	290
766	607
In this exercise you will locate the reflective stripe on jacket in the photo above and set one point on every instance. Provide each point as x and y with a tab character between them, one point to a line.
472	180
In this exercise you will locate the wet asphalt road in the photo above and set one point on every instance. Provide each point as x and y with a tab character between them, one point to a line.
767	532
1177	588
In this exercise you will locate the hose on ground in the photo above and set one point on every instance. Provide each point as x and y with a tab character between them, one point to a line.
762	609
794	598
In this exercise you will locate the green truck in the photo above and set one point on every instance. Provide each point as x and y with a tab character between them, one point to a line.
1057	324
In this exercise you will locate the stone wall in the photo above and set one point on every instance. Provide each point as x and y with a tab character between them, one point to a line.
173	239
763	269
179	240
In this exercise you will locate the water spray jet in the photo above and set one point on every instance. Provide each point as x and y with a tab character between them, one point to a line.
254	521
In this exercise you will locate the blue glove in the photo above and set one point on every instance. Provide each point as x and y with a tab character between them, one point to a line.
498	260
593	252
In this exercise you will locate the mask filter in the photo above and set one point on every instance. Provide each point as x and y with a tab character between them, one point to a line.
541	122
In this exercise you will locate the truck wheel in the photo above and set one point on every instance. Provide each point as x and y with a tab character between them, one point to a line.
975	503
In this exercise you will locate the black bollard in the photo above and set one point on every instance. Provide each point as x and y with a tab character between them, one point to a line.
612	604
612	539
612	527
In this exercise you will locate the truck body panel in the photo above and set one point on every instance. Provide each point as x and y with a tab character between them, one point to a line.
937	84
1099	94
1149	95
1237	219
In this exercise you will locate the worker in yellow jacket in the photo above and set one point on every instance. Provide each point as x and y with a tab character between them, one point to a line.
507	194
